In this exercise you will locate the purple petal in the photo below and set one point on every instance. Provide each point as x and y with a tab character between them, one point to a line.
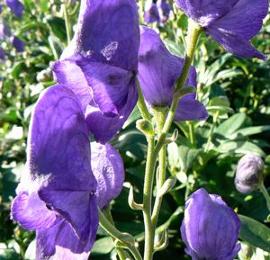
4	31
190	109
60	242
151	13
2	54
79	208
159	69
206	11
110	86
233	31
104	127
108	32
164	9
18	44
58	145
68	73
31	212
210	228
108	169
16	7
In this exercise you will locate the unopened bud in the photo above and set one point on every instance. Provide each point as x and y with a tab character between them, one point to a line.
249	173
145	127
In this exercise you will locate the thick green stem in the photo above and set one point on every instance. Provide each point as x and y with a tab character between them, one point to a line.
147	200
191	42
67	22
266	195
160	117
126	239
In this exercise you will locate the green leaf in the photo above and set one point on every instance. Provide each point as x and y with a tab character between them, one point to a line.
251	131
232	124
103	246
255	233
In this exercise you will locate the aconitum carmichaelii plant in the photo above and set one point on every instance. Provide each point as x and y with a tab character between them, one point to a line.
16	7
158	72
210	228
101	63
56	195
232	23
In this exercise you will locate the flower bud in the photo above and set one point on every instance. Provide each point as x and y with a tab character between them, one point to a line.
249	173
210	228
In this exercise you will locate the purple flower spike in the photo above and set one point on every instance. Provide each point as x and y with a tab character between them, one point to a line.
16	7
158	72
18	44
151	14
210	228
108	169
232	23
56	196
104	58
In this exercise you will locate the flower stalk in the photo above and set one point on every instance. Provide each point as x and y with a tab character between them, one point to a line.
265	194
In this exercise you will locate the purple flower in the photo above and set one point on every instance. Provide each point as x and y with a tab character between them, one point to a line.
231	23
158	72
103	59
151	14
18	44
108	168
249	173
157	11
56	196
2	54
4	31
16	7
210	228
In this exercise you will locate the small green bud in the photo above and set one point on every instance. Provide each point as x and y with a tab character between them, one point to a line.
145	127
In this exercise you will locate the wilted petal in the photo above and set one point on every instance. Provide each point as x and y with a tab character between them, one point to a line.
205	11
105	127
16	7
107	32
108	169
31	212
60	242
210	228
159	69
190	109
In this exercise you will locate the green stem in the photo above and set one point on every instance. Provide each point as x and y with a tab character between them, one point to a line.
160	117
67	22
142	105
126	239
191	133
191	42
147	200
266	195
210	136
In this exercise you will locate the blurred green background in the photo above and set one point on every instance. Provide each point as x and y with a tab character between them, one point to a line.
237	95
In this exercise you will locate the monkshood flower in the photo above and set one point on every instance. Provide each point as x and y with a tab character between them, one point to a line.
249	173
231	23
18	44
4	31
108	168
210	228
157	11
16	7
103	59
56	196
151	14
158	72
2	54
